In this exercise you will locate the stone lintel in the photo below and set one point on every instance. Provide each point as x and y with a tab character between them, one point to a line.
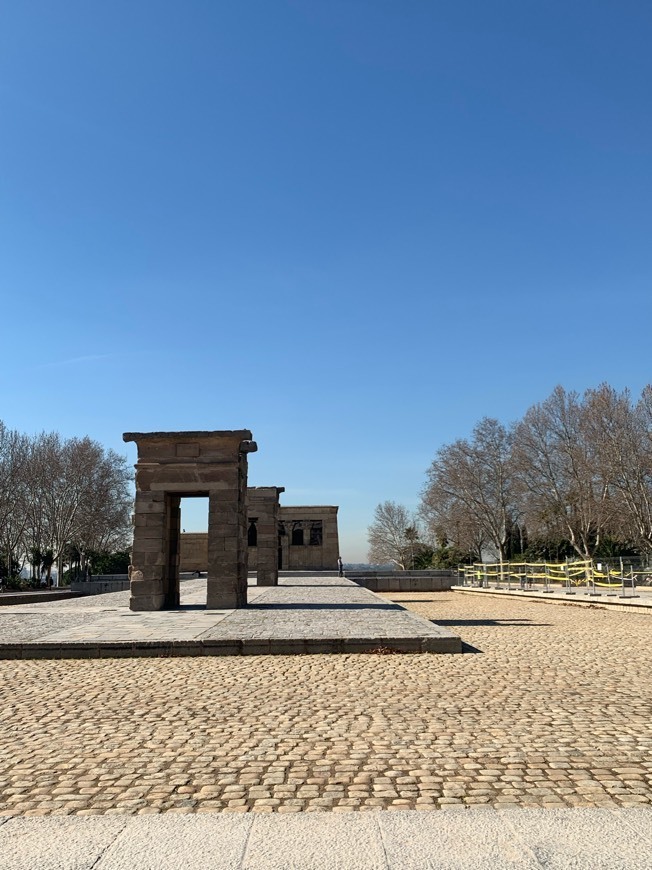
265	491
308	509
190	448
244	435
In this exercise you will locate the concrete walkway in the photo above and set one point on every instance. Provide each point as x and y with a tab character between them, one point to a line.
304	614
638	600
482	839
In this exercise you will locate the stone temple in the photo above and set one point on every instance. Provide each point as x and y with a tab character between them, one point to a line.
302	538
247	527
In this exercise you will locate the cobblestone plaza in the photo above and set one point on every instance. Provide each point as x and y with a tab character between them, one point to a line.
551	706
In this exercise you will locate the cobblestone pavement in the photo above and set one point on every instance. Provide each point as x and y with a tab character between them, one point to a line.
555	709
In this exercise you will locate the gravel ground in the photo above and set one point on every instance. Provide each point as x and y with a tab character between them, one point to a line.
550	707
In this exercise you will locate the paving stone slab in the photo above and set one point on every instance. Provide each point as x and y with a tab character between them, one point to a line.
56	842
640	819
200	842
598	838
461	840
316	840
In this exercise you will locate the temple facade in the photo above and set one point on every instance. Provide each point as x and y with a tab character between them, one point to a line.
306	537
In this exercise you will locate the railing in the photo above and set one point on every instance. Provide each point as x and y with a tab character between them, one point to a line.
569	577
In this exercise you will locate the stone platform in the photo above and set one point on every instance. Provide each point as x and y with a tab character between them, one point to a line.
303	614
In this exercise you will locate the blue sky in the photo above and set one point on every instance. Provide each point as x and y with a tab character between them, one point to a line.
354	228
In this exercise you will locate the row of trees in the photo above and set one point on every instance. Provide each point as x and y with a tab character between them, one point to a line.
574	476
60	501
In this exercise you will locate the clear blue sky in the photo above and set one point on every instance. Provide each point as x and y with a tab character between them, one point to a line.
353	226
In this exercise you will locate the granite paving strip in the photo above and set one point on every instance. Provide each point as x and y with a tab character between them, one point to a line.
550	708
478	839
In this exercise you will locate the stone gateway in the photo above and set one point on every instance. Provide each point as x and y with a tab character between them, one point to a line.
174	465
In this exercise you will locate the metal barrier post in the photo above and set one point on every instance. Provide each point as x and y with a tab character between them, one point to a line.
609	592
634	593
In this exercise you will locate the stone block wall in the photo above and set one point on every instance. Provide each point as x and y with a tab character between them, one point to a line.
300	526
193	551
404	581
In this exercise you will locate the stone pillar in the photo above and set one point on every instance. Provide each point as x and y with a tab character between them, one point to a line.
262	503
173	542
227	544
148	568
176	464
284	546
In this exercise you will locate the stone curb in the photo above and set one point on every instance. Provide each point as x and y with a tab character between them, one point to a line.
245	647
619	604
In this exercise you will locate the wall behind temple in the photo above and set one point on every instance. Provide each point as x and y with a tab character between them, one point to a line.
193	551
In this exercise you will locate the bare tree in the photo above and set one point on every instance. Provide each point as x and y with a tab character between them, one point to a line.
79	496
563	484
451	524
13	494
622	434
468	494
393	536
104	520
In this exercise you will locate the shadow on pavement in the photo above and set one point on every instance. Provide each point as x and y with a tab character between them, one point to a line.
518	623
467	648
325	606
418	600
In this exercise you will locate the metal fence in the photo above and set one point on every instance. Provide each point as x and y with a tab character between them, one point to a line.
569	577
